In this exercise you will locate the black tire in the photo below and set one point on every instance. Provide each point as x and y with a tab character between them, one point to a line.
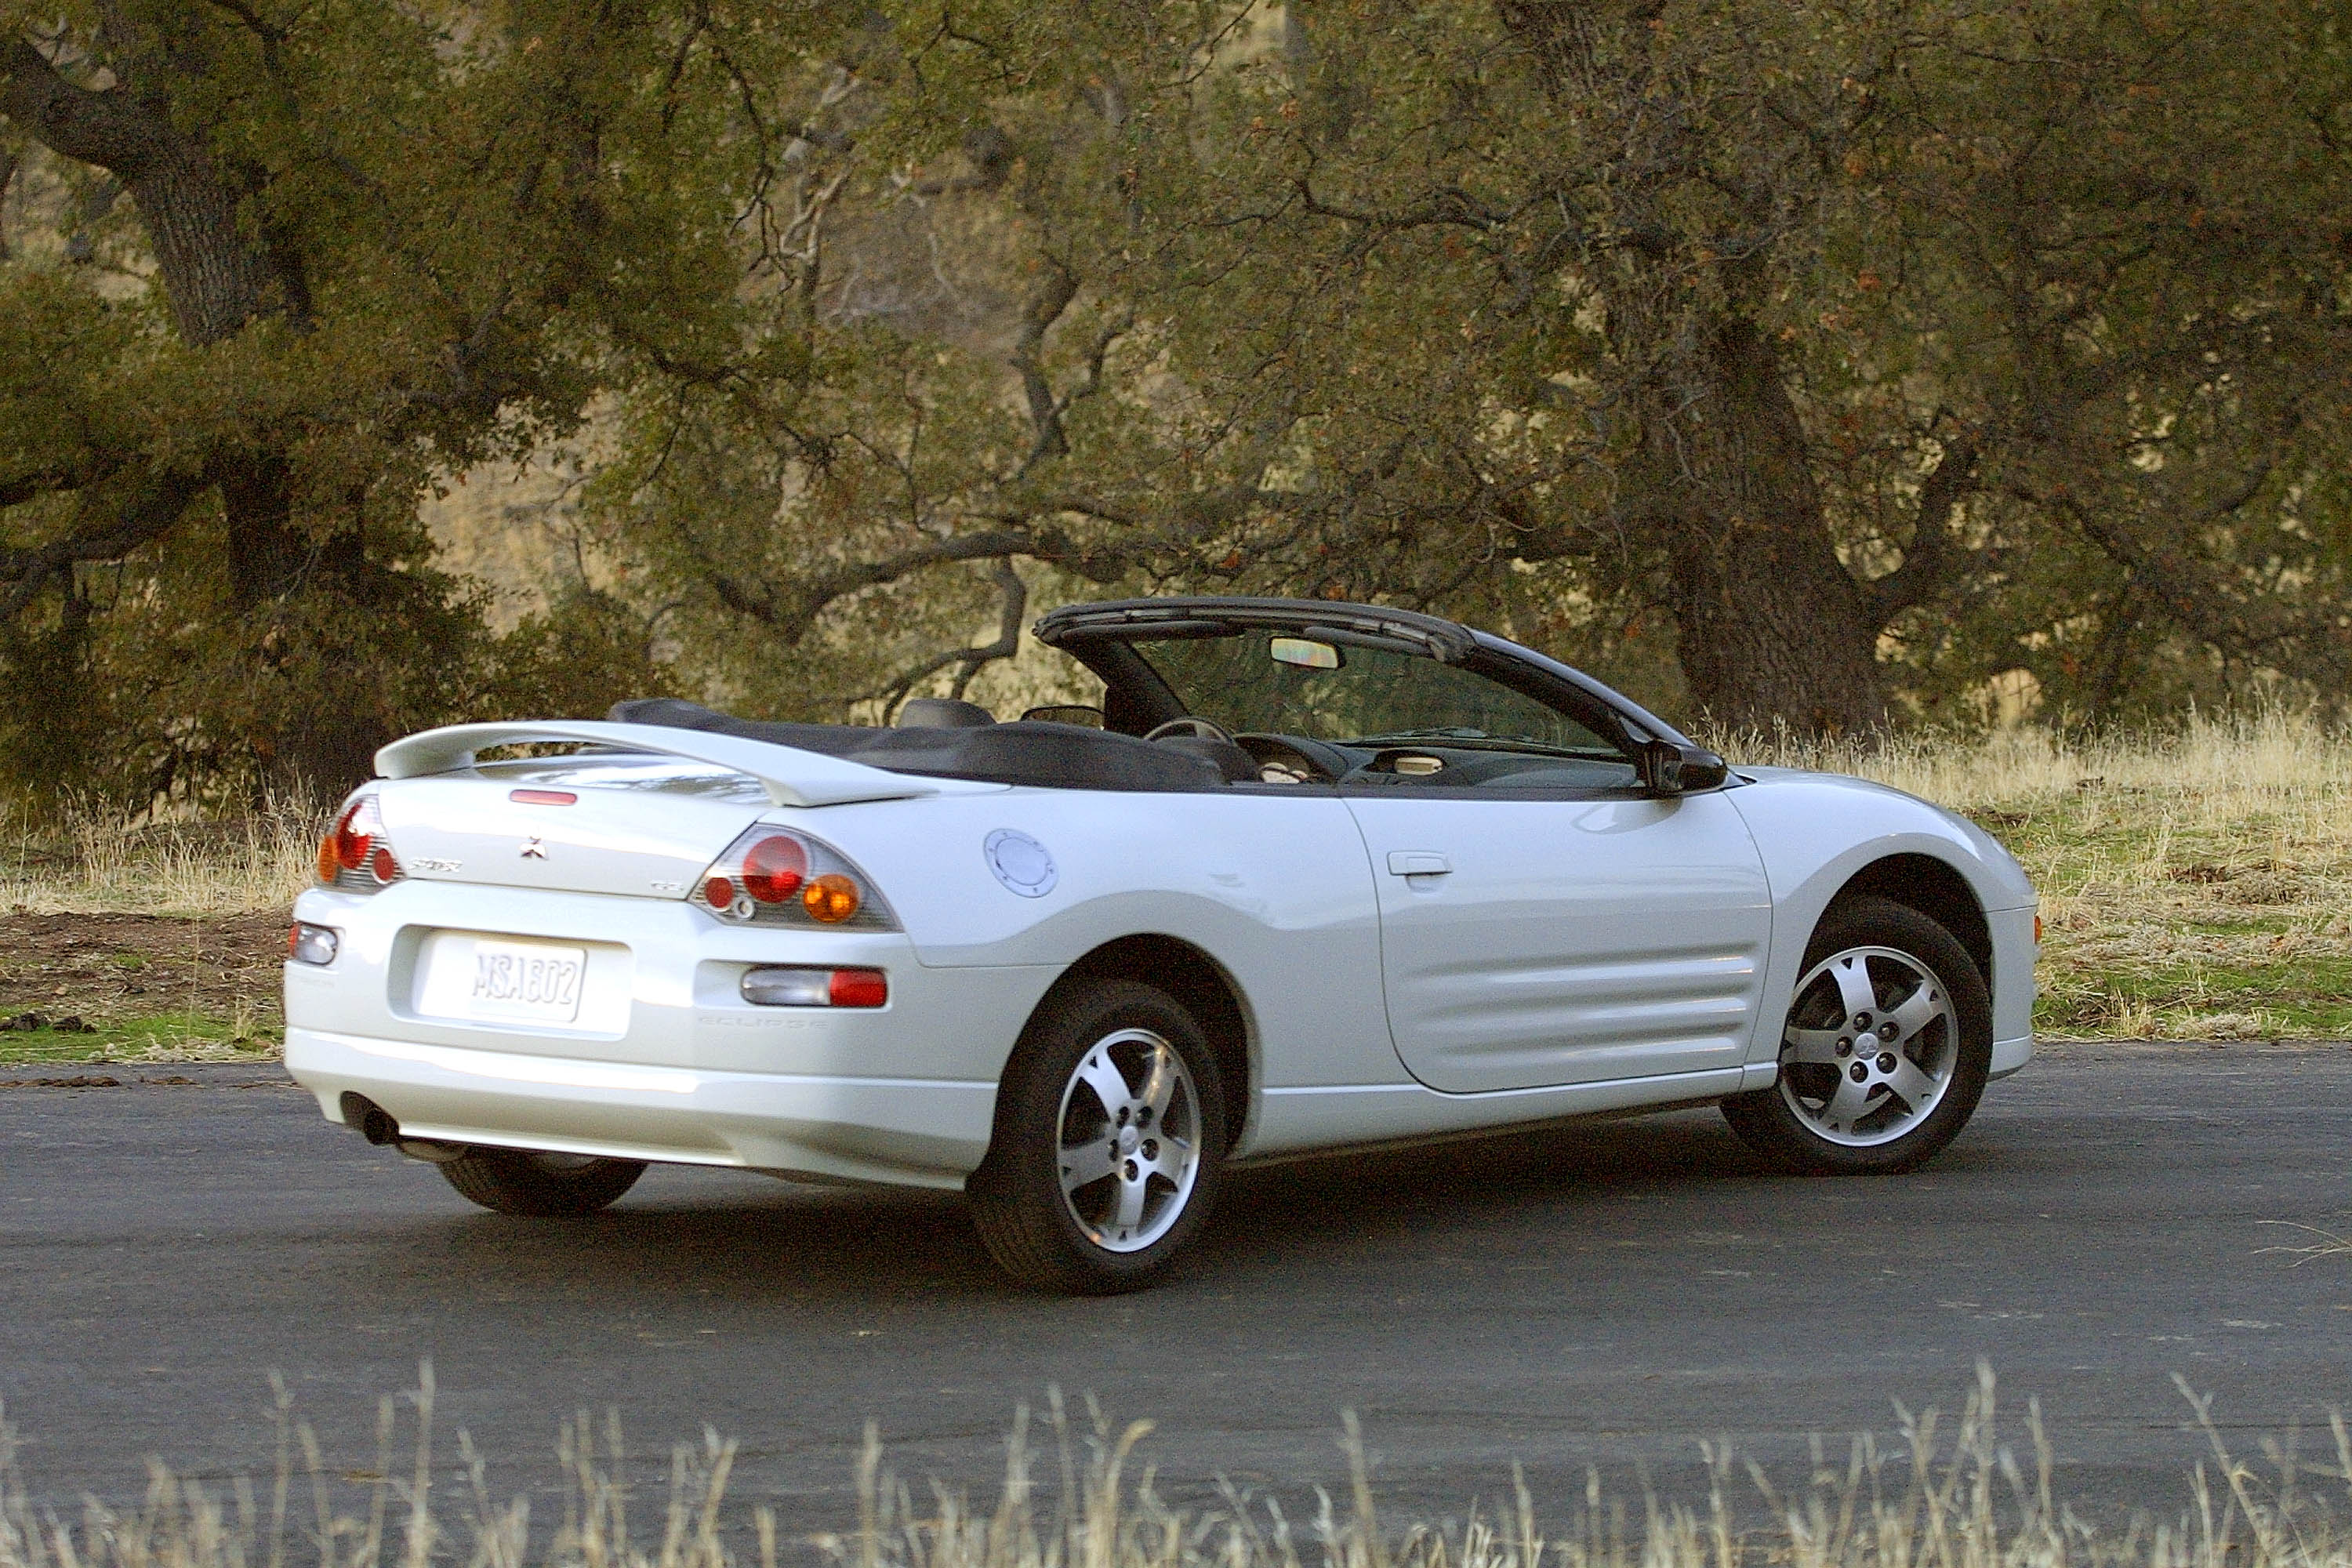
1048	1116
541	1187
1789	1123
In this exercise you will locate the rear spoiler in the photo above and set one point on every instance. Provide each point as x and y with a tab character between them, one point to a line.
791	776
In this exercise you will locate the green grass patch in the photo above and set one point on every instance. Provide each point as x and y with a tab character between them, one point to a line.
157	1036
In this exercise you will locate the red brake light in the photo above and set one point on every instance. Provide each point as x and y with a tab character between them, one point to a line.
542	796
775	869
352	845
719	893
859	988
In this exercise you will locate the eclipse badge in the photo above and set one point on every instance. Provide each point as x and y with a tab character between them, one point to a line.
1019	862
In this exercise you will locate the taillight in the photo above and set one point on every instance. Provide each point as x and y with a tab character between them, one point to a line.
832	900
354	856
773	876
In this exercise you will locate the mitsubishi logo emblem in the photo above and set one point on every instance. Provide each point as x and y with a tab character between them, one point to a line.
533	849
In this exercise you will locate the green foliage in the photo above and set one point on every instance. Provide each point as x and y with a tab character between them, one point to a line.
1806	361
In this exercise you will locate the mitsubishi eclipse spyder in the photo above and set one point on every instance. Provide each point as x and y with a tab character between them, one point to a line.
1310	878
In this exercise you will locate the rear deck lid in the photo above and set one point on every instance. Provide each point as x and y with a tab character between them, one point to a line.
641	826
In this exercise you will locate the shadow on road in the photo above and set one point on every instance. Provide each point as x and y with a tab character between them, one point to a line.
736	1235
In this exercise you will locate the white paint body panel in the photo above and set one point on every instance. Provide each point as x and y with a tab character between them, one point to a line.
1661	933
1530	943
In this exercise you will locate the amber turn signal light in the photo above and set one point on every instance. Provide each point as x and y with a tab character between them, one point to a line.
832	897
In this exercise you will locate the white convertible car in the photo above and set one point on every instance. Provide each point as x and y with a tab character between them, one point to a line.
1313	877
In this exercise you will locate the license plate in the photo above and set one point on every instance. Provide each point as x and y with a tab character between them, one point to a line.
522	981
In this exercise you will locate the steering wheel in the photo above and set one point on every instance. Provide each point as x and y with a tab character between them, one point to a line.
1188	725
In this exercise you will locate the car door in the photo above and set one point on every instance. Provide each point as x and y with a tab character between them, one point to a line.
1530	942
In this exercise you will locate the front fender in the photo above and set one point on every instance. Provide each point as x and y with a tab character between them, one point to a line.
1816	832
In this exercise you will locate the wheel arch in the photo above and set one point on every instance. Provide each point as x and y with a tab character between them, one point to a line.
1933	886
1198	984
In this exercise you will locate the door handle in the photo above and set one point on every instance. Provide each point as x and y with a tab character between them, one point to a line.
1418	863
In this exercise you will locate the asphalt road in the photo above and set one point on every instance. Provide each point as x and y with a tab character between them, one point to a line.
1608	1296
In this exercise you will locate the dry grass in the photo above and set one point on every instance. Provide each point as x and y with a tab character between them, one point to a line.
163	864
2196	882
1952	1499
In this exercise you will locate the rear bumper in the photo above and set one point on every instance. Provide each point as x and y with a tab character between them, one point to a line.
927	1132
666	1060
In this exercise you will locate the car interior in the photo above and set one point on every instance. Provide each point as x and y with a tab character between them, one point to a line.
1241	707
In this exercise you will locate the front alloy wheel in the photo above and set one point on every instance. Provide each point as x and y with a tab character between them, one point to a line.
1109	1127
1885	1050
1870	1048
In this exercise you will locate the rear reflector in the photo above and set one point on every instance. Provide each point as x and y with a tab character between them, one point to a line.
542	796
776	985
859	988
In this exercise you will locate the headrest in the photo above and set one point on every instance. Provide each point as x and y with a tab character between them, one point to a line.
942	713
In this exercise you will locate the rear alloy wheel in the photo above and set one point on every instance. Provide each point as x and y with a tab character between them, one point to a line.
541	1185
1109	1129
1885	1050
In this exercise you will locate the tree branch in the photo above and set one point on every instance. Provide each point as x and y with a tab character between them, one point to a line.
971	660
110	129
2249	626
111	526
1932	556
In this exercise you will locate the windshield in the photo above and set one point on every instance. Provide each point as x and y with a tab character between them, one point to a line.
1259	682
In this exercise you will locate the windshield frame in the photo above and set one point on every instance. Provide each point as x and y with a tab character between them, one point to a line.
1095	632
1137	696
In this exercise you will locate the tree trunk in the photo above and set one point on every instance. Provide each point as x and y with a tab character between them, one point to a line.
1773	628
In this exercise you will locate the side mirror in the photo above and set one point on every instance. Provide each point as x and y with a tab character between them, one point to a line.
1669	767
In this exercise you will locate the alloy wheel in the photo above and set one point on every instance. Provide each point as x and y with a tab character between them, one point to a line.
1870	1048
1129	1149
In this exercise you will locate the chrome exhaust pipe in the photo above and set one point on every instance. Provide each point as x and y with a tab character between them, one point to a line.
378	1126
368	1120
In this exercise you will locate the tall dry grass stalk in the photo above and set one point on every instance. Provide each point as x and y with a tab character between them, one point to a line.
162	863
1962	1500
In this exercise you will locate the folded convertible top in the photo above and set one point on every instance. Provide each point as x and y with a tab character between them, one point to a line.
1053	756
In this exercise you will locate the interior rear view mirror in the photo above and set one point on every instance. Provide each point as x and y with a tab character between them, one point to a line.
1077	713
1305	653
